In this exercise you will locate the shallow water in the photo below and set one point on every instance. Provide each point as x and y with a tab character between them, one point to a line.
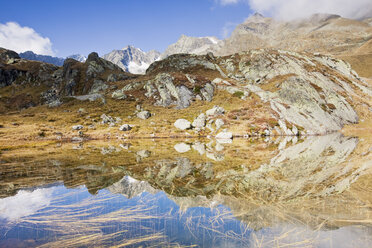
284	192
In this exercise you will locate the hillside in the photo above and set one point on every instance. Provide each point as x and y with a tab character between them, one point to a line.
256	93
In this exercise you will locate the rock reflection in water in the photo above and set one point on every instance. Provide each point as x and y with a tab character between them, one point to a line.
247	193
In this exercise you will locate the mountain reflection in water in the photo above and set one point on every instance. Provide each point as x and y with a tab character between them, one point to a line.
311	192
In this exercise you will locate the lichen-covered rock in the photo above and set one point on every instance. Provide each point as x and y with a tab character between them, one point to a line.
98	86
119	95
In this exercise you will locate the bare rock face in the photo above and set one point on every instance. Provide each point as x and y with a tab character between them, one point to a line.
192	45
304	91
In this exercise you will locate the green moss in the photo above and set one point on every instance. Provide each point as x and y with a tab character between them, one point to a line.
239	94
197	89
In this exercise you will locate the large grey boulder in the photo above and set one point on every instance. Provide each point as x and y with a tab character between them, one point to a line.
182	124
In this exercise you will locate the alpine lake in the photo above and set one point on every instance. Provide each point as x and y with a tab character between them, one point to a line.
256	192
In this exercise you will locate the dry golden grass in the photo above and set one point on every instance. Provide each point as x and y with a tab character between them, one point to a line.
361	63
43	123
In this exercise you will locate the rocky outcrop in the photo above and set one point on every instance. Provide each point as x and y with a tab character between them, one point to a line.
72	79
313	93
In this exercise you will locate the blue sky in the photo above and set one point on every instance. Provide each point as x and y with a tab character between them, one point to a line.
65	27
82	26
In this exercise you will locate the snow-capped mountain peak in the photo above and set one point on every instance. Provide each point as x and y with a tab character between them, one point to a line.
132	59
78	57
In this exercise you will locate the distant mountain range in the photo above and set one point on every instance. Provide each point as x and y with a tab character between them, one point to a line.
50	59
324	33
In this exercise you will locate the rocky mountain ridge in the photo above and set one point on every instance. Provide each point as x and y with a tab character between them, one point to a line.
323	33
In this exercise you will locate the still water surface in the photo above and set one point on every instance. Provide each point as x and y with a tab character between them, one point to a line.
286	192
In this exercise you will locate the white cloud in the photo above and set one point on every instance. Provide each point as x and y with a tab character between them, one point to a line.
24	203
291	9
21	39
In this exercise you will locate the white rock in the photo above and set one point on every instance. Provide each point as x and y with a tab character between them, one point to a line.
217	80
182	124
182	147
125	127
215	156
199	147
216	110
144	115
199	121
144	153
224	135
219	123
223	141
294	130
77	127
219	147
